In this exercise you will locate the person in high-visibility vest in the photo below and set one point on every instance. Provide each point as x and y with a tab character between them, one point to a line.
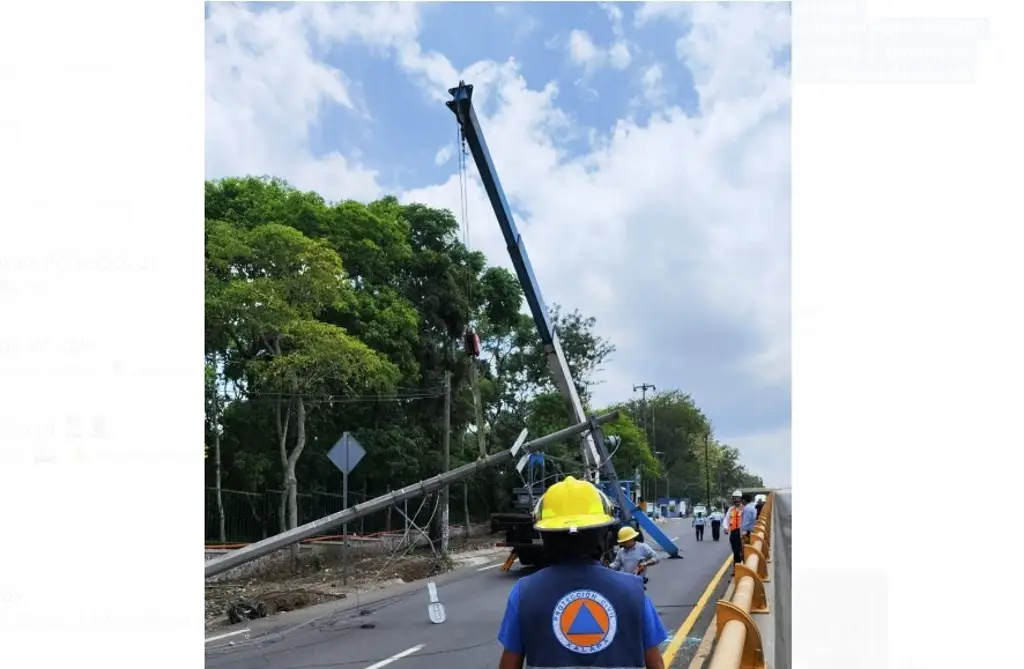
733	523
576	612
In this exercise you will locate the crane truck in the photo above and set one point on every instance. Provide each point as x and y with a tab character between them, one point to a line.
517	525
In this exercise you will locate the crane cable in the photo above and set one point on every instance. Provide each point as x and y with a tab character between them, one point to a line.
460	149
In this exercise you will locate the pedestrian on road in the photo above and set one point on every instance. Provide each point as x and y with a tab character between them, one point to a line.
716	523
633	557
749	518
733	523
575	612
698	523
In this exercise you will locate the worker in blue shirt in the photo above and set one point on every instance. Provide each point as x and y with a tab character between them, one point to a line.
749	518
576	612
699	521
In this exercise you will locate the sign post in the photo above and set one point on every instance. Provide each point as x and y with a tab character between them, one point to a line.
346	456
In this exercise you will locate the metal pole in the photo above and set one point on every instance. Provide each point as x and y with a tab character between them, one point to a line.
344	528
446	495
707	467
269	545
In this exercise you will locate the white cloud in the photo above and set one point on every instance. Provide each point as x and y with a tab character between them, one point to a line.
651	81
444	154
652	11
264	89
674	233
583	51
619	56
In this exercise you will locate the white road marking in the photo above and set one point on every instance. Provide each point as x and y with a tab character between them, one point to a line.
226	635
396	656
674	538
491	566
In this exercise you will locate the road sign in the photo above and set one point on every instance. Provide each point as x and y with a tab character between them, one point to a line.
346	454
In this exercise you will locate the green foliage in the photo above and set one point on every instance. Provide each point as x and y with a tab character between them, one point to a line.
325	317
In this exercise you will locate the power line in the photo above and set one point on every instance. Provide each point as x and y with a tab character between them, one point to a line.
342	399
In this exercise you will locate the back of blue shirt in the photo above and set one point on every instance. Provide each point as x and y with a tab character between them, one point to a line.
580	615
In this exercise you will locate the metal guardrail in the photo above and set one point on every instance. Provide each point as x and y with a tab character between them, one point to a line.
739	639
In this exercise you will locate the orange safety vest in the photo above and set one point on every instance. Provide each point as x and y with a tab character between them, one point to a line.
735	518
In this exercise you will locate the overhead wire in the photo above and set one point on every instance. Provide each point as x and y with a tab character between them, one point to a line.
426	393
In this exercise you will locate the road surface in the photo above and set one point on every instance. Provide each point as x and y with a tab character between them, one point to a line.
394	631
783	570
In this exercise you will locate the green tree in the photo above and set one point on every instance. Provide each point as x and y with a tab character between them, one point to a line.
267	284
325	316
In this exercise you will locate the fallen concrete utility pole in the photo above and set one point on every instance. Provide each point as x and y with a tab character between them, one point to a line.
267	546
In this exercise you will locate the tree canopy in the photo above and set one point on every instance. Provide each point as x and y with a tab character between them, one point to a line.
326	317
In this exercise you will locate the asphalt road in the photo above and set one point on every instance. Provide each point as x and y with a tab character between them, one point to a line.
396	632
783	570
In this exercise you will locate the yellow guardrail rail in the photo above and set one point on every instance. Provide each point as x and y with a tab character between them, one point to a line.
739	639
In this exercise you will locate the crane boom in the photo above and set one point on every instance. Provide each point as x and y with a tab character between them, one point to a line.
462	105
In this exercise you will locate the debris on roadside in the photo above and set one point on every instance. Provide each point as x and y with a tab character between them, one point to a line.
319	579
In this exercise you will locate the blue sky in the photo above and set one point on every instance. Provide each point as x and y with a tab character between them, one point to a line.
644	147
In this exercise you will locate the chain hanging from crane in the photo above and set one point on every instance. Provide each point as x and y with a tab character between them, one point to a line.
471	340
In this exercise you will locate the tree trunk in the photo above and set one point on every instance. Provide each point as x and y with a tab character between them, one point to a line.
293	484
281	423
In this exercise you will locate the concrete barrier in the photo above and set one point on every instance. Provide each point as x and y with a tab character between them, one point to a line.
740	645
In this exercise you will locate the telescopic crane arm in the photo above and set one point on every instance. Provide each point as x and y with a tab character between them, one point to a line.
462	105
595	453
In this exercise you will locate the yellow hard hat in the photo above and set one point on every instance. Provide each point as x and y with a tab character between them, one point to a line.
572	505
626	533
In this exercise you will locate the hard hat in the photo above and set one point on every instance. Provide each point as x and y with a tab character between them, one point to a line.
572	505
737	493
626	533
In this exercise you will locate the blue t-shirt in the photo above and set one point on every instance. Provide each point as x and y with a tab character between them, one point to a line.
510	635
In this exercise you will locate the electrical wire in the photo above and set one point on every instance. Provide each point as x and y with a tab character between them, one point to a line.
270	396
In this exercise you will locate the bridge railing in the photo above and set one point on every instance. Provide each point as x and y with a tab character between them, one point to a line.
739	639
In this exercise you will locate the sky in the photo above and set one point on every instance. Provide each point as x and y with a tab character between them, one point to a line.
643	148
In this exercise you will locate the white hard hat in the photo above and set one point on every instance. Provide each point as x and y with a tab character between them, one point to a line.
737	493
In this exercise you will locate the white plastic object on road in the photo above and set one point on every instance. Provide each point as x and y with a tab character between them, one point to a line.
435	609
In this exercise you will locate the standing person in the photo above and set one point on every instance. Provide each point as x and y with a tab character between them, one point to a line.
633	557
759	506
733	523
698	522
575	612
716	523
749	518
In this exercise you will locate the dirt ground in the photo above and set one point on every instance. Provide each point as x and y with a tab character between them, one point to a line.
319	579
